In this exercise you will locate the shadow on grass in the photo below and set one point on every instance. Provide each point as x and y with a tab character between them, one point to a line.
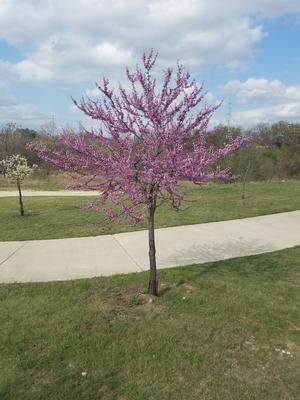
268	267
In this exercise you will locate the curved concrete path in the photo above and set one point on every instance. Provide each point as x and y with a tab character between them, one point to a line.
27	193
64	259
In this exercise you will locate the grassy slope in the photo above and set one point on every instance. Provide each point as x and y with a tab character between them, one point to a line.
216	332
55	181
61	217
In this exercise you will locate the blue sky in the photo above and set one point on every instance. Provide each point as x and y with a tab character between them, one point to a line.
246	52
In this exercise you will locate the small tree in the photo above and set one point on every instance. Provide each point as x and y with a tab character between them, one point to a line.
16	169
242	163
139	152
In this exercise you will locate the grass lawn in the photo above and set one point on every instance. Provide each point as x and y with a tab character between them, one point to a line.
58	217
39	181
220	331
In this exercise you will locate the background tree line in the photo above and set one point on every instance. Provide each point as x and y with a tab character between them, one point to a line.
274	153
14	140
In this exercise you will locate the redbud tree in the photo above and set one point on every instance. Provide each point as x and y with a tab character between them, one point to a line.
139	151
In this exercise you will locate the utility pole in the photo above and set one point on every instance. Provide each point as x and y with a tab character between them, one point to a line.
229	120
52	123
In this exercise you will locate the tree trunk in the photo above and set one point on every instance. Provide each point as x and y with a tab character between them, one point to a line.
20	199
243	196
152	288
244	190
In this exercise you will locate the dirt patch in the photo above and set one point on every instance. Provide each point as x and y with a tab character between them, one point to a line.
188	287
123	302
292	346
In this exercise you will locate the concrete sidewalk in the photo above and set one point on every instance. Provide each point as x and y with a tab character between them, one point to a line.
29	193
64	259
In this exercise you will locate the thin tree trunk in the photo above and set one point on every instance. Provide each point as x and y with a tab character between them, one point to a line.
244	180
152	288
244	189
20	199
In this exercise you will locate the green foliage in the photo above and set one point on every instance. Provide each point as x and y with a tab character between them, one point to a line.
223	134
274	154
14	140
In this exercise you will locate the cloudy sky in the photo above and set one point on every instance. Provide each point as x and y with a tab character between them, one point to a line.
247	52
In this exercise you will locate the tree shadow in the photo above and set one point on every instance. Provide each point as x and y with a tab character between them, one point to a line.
240	256
219	250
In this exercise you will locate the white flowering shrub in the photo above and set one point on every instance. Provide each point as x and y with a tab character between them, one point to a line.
16	168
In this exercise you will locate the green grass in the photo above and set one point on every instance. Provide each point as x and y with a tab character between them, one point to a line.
217	332
39	181
58	217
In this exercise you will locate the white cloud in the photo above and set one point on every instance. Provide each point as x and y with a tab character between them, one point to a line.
69	60
287	112
75	41
266	100
12	110
262	89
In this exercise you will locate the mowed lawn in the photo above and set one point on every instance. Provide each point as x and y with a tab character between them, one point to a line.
59	217
39	181
220	331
